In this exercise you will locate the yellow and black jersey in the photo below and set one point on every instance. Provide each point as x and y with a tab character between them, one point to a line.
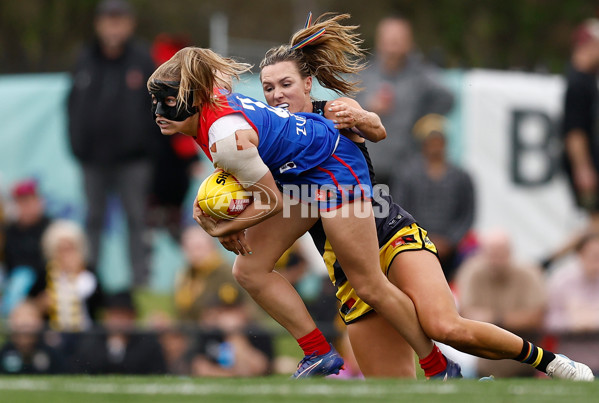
352	308
396	232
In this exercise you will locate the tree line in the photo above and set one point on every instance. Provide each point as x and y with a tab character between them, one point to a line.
530	35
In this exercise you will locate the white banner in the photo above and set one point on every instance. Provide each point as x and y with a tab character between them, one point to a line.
510	132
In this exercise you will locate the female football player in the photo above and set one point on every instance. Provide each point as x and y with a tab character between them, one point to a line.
260	145
408	258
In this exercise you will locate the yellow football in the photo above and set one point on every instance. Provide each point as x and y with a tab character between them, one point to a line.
222	196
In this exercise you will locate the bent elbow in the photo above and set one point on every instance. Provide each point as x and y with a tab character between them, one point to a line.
381	135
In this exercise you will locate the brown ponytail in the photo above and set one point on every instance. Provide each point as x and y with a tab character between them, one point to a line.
330	52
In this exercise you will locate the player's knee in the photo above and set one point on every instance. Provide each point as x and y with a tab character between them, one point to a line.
243	275
368	293
445	331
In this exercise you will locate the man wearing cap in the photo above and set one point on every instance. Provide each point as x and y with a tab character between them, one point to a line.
112	134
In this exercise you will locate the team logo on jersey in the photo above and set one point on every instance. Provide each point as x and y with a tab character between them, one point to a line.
406	239
395	220
287	166
428	242
348	307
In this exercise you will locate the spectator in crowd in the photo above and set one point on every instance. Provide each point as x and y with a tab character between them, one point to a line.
25	351
68	292
205	271
23	255
400	88
231	343
573	309
580	137
175	340
438	193
118	348
493	287
581	105
112	134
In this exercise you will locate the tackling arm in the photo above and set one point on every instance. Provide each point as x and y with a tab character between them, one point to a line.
347	113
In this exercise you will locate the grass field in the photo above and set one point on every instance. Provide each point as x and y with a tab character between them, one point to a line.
82	389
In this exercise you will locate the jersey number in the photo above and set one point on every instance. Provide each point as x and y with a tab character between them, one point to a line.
283	113
251	104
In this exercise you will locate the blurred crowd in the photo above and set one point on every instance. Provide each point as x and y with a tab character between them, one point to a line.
59	318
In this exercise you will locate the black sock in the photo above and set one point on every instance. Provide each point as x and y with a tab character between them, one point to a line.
535	356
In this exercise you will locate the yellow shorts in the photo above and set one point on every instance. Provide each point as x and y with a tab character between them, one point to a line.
408	238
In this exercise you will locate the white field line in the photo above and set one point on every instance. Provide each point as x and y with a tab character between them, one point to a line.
188	388
279	389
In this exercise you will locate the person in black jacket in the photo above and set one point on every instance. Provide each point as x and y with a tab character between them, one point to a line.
118	347
579	132
23	236
112	134
25	351
23	257
581	105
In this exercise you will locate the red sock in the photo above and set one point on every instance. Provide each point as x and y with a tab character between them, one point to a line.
433	363
314	343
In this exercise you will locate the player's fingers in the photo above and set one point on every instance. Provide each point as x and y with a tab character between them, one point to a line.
244	245
337	106
233	242
344	118
240	248
229	246
343	126
197	211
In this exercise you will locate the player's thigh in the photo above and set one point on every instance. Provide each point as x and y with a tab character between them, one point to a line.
379	349
419	274
352	234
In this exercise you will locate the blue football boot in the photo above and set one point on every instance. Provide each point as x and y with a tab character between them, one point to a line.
452	370
319	365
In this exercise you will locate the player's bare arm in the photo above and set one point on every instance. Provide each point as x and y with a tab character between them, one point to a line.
347	113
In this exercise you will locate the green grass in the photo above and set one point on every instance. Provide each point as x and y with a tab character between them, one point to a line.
85	389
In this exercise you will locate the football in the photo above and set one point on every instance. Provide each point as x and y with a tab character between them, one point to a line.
221	196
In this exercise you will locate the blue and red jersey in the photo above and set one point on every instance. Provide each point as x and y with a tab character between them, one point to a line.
299	149
289	143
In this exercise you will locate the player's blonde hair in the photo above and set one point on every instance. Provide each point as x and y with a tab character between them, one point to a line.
326	50
198	71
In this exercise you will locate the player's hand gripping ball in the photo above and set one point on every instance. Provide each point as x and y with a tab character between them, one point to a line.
221	196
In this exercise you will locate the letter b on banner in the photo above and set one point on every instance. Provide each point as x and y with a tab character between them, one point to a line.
533	161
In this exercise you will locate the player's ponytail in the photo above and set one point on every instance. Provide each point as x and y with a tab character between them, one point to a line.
326	50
